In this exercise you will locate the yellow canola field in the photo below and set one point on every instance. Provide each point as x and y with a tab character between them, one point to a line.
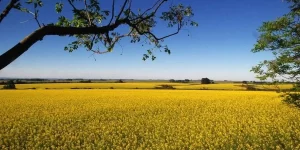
146	85
91	85
230	86
152	119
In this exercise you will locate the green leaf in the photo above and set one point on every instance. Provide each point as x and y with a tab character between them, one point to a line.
29	1
167	50
193	23
40	3
149	52
106	12
24	10
58	7
153	58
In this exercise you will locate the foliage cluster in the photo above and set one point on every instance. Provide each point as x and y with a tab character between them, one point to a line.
206	81
179	81
9	85
282	38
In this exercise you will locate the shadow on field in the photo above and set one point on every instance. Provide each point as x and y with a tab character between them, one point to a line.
248	87
165	86
251	87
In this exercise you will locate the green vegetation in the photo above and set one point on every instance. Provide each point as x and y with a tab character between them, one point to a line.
206	81
9	85
282	38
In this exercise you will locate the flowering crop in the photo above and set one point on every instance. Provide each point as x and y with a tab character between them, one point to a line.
146	119
148	85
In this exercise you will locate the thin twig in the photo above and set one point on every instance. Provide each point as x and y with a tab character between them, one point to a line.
7	9
121	11
35	14
92	42
151	7
25	21
152	14
38	22
87	12
150	33
79	13
121	48
113	12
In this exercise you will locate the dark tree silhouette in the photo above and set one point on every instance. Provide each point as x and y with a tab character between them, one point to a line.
205	81
9	85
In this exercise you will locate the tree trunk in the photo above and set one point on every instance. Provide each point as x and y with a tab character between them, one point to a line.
20	48
16	51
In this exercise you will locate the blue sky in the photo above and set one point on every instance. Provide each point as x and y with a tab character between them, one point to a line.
219	48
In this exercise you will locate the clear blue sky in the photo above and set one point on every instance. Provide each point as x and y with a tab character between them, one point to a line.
220	48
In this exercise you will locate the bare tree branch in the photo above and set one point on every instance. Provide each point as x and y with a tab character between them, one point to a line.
129	4
87	13
35	14
114	41
37	21
99	52
122	9
90	34
7	9
31	39
92	42
87	18
153	13
162	1
71	3
134	25
113	12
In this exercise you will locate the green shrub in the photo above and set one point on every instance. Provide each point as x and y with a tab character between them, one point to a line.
165	86
120	81
9	85
292	98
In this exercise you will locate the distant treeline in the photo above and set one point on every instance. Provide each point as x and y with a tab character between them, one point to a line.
179	81
78	80
262	82
35	81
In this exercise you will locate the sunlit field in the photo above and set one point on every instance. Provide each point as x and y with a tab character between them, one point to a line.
148	85
153	119
133	85
230	86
